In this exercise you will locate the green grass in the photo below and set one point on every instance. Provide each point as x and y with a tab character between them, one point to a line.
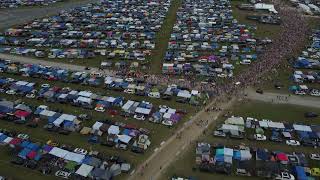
162	38
184	165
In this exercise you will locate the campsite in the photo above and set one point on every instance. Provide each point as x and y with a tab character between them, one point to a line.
159	89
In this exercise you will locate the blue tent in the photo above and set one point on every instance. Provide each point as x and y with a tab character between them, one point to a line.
262	154
300	173
23	154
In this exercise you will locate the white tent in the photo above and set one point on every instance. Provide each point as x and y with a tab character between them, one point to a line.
84	170
299	127
263	124
113	130
58	121
143	111
228	152
97	125
124	138
127	105
58	152
71	156
245	155
235	121
268	7
7	140
184	94
277	125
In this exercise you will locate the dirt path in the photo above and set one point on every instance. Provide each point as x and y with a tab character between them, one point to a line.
279	98
167	153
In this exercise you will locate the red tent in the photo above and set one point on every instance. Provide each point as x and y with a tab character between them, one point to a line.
21	114
32	154
282	157
15	141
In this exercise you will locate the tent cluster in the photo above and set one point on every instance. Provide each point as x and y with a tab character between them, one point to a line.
309	59
207	40
68	161
114	29
88	100
137	86
311	7
17	3
117	134
308	135
246	161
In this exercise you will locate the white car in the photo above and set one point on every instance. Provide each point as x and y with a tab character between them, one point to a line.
167	123
260	137
45	85
129	79
99	109
163	107
11	92
129	91
62	174
292	143
315	157
299	93
23	136
245	62
30	96
285	176
315	92
139	117
80	151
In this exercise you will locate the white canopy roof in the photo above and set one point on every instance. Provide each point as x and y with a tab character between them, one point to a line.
299	127
276	125
263	124
7	140
127	105
184	94
58	152
228	152
114	130
71	156
124	138
97	125
84	170
143	110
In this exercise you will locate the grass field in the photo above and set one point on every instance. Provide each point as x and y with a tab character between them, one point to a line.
184	166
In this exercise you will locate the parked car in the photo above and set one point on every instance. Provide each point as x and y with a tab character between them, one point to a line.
62	174
139	117
80	151
260	137
310	115
315	157
292	142
219	133
285	176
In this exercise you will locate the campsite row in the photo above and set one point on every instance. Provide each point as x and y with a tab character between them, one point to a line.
253	129
309	59
64	161
113	105
206	34
120	25
126	83
107	133
255	162
18	3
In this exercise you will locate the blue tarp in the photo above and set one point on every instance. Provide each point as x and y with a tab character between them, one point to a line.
300	173
262	154
3	137
23	154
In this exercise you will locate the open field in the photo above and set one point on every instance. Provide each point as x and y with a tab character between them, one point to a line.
186	162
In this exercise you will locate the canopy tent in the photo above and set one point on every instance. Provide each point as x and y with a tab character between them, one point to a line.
71	156
84	170
97	125
124	138
114	130
58	152
235	121
299	127
143	111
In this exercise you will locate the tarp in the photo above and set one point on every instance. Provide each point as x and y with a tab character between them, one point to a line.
84	170
97	125
58	152
71	156
114	130
124	138
299	127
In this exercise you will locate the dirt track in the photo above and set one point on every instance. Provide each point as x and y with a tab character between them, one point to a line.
11	17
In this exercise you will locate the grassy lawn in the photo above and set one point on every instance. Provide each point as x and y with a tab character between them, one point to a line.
162	38
184	165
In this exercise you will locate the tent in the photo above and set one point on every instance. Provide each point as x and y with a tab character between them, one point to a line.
299	127
113	130
124	138
58	152
71	156
84	170
235	121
